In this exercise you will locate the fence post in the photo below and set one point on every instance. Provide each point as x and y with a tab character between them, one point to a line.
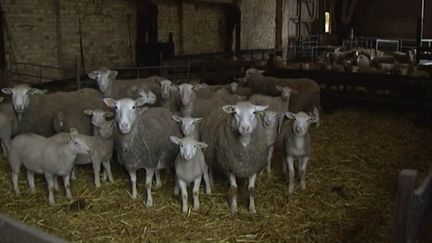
78	73
404	195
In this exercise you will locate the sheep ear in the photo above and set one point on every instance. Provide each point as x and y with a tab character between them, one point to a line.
1	99
198	120
241	97
229	108
112	74
67	139
60	116
73	131
260	107
88	112
176	118
7	91
279	88
108	114
290	115
33	91
202	144
293	91
174	88
175	139
93	75
110	102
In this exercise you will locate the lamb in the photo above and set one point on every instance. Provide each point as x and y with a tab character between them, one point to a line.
193	106
297	144
9	126
101	146
190	166
189	126
110	87
53	156
308	91
143	139
271	123
240	149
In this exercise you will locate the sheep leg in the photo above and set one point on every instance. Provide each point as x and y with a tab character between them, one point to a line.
207	181
5	148
96	173
251	188
195	193
210	174
184	195
132	175
148	185
15	181
158	182
30	179
303	165
269	159
73	176
56	185
233	189
66	182
50	181
107	171
290	164
176	186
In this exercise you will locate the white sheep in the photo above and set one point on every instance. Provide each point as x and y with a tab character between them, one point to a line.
53	156
189	126
297	144
190	166
271	122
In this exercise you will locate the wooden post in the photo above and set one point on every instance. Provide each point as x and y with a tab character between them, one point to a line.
180	23
278	39
420	27
404	195
3	75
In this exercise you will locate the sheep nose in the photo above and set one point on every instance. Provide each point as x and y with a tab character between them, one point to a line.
165	96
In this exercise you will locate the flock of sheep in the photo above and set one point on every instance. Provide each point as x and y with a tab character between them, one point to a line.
154	124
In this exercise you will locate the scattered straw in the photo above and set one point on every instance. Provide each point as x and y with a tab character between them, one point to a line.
351	182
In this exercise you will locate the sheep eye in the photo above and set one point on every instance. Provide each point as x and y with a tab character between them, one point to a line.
195	146
116	107
133	107
181	146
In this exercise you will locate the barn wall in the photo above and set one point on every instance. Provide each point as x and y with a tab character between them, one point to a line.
258	24
386	19
46	31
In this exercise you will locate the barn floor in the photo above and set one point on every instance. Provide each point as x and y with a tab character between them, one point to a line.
351	184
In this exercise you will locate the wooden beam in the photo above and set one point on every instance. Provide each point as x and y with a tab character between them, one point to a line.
181	29
278	39
350	12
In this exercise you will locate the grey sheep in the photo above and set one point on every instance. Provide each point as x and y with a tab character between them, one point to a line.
234	89
193	106
239	148
53	156
169	96
9	126
308	91
271	123
189	126
190	166
143	139
297	144
127	88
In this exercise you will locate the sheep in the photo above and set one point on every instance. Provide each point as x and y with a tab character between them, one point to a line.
308	91
53	156
234	89
297	144
190	166
271	123
9	126
110	87
189	126
279	104
36	112
101	146
169	96
193	106
143	139
240	147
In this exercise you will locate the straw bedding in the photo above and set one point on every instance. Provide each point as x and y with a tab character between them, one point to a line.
351	182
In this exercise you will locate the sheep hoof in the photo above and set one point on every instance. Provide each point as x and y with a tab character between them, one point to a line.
157	186
290	189
252	210
234	209
303	185
149	203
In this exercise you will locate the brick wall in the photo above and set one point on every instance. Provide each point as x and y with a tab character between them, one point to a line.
47	32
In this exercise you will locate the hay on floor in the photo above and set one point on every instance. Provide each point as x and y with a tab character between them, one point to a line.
351	182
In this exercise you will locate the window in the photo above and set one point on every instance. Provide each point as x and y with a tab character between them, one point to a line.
327	24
